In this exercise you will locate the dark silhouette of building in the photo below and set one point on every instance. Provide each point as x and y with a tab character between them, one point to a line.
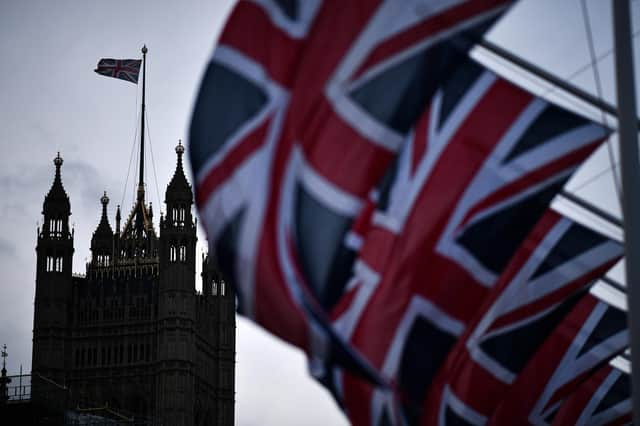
132	336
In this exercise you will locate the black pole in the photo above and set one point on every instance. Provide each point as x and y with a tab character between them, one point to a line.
591	208
144	74
551	79
630	172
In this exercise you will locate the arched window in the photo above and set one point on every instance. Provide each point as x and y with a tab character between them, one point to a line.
173	256
183	253
49	264
55	227
178	215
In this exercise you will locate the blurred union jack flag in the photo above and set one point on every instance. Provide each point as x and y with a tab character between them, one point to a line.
471	181
541	285
591	335
300	113
603	399
124	69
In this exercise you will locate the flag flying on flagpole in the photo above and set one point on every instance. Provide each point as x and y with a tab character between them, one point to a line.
124	69
364	184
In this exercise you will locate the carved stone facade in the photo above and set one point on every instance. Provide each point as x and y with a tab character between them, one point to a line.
132	335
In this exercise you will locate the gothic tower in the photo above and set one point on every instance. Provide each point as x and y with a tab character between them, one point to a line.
176	302
102	242
132	334
54	252
219	304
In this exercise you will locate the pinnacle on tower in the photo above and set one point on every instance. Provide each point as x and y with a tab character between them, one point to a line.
104	228
56	202
118	218
179	189
103	235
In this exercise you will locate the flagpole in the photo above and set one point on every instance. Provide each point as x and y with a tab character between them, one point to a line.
550	78
144	75
630	172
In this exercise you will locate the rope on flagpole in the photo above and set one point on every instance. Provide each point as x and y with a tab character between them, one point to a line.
131	156
153	163
598	83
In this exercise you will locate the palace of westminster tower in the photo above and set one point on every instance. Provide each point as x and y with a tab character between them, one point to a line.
132	334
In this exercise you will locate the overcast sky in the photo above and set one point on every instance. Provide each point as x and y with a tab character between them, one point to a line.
51	100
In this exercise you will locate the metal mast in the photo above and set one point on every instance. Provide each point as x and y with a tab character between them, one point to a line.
630	171
144	75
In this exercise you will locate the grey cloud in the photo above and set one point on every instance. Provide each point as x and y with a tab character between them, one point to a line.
7	249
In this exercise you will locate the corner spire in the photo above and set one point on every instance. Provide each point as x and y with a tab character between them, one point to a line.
57	201
118	218
104	228
179	188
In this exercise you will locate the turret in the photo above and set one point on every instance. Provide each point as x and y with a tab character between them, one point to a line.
178	196
55	241
102	239
53	284
56	207
178	228
221	299
176	297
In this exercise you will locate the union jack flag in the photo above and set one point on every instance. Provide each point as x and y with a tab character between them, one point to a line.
124	69
591	335
473	178
291	131
603	399
544	280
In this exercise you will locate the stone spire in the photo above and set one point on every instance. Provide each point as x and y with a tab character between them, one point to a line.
104	228
179	189
102	239
56	202
118	218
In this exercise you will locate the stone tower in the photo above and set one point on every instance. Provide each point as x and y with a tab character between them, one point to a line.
132	336
176	307
54	257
